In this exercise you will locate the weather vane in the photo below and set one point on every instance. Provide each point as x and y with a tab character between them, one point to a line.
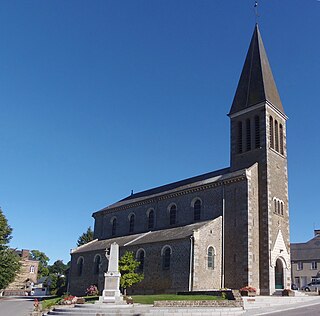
256	10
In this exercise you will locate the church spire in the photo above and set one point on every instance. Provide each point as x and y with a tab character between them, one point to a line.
256	83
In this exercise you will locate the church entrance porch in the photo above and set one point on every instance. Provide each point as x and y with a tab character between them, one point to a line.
279	283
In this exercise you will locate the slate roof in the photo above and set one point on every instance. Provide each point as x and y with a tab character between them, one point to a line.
306	251
175	233
218	175
256	82
176	185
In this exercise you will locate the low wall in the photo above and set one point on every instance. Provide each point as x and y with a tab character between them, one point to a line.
233	300
229	294
222	303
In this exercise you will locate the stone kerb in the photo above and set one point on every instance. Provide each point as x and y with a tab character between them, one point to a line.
201	303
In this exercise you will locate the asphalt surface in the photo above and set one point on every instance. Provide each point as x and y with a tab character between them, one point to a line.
307	310
15	307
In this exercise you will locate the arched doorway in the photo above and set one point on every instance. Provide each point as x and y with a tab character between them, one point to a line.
279	284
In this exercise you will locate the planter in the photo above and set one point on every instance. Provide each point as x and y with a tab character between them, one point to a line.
80	300
288	293
247	293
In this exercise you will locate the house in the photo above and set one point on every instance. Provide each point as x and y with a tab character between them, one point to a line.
26	277
305	261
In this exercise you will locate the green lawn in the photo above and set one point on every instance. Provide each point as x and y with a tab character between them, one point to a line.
149	299
142	299
47	303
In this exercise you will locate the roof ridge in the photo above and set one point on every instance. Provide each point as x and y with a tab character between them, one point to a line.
137	238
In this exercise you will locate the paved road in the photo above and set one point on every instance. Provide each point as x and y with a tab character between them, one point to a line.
312	310
15	307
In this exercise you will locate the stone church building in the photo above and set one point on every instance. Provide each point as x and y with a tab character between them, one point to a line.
224	229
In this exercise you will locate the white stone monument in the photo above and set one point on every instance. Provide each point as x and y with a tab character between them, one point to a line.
111	292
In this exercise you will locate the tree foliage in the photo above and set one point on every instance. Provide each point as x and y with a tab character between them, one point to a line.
127	267
56	274
58	284
57	277
85	237
9	260
43	259
9	266
5	231
58	268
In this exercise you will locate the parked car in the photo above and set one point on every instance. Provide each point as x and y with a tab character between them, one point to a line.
313	286
294	287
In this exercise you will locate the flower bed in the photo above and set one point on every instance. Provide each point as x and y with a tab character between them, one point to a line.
92	290
248	291
68	300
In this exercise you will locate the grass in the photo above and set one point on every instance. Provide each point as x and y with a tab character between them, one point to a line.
46	304
91	299
142	299
149	299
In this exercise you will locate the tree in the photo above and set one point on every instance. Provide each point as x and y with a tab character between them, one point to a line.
5	231
58	268
9	261
85	237
57	284
57	277
43	262
127	267
9	266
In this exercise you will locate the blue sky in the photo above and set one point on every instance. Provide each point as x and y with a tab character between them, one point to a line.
98	98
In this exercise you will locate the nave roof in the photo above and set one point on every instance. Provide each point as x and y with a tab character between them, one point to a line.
176	233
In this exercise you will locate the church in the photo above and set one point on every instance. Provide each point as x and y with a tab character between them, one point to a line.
224	229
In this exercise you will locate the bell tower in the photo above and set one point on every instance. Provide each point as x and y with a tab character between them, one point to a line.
258	135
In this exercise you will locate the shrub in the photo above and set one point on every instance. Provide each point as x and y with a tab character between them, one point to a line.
68	300
92	290
248	288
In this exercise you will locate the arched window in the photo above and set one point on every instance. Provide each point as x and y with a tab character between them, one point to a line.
114	227
257	131
131	223
166	258
210	258
80	263
151	219
197	210
96	264
140	258
31	269
173	214
271	133
278	206
239	137
276	135
248	133
281	139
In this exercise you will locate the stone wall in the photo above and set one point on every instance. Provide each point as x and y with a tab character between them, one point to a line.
204	277
156	279
211	208
236	235
277	173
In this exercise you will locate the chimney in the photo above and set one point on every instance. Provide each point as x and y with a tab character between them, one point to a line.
25	253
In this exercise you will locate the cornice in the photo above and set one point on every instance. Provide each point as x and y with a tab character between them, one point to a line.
258	106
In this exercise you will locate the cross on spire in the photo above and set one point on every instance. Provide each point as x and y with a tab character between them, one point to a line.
256	10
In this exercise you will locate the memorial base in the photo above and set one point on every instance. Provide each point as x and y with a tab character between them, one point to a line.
112	297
